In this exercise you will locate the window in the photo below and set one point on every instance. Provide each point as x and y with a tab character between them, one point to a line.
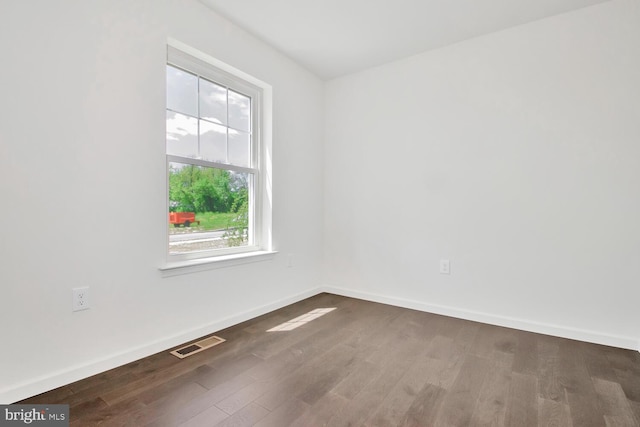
216	161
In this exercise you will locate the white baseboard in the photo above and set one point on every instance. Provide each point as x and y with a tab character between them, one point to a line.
57	379
630	343
48	382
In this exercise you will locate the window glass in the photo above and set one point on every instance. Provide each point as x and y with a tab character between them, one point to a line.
182	91
239	148
239	111
212	202
208	208
213	102
182	135
213	142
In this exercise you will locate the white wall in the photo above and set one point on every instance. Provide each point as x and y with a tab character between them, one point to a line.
516	156
81	176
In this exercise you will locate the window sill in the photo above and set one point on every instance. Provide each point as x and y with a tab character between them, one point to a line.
202	264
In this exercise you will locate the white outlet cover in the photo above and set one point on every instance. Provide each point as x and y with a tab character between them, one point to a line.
80	299
445	266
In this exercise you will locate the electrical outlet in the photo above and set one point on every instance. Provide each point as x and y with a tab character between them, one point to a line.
445	266
80	299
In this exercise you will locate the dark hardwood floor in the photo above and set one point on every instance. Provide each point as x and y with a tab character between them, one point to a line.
366	364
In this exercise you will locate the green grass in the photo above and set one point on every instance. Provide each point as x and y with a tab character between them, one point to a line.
209	221
215	220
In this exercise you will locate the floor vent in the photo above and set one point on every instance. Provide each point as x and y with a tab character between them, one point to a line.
197	347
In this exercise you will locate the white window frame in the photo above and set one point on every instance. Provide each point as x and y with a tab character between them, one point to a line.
259	240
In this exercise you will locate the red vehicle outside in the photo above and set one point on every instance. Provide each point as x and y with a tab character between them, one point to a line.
182	218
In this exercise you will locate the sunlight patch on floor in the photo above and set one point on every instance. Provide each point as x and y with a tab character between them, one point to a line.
301	320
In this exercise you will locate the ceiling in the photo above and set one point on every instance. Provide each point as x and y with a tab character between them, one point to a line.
336	37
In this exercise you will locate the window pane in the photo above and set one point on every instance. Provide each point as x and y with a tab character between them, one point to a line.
213	102
182	135
208	208
239	148
182	91
213	142
239	111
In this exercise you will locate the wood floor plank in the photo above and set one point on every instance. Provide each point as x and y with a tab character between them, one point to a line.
584	409
203	401
284	415
506	341
117	377
458	405
526	354
596	362
522	404
401	397
448	356
104	415
312	346
367	325
88	410
217	376
580	393
338	413
619	421
484	341
424	408
278	365
327	374
183	371
612	399
553	413
166	388
443	373
630	384
491	405
549	384
302	380
298	379
450	327
635	408
442	348
623	360
495	343
160	412
356	380
366	364
208	417
247	416
377	390
321	412
243	397
396	335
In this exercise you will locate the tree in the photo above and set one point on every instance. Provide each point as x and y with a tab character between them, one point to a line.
237	231
198	189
